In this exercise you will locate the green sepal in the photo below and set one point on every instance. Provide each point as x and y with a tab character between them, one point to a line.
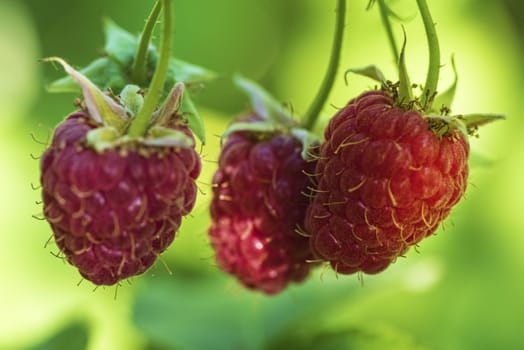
445	99
307	139
371	71
444	125
263	104
259	127
404	88
180	101
193	117
101	107
102	138
475	120
160	136
467	125
132	99
170	106
103	72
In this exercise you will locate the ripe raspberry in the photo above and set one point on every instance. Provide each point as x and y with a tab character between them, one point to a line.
256	207
113	212
385	181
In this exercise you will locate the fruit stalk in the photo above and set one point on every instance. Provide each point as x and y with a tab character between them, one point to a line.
139	125
139	70
432	77
389	31
312	114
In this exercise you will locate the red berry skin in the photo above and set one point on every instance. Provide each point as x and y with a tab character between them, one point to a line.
113	212
257	206
385	181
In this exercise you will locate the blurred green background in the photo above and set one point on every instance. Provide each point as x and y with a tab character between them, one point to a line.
465	290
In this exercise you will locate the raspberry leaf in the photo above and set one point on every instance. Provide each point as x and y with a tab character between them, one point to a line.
100	106
120	45
112	70
188	73
371	71
264	105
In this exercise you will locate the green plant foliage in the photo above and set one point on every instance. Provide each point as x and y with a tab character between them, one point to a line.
73	336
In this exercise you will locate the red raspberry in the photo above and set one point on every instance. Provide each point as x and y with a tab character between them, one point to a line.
113	212
385	181
256	208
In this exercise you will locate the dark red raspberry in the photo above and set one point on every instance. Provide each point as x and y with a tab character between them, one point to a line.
385	181
258	204
113	212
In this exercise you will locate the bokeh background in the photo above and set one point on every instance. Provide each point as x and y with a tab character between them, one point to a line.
463	289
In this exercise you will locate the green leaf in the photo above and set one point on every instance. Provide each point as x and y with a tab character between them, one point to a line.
194	120
103	72
74	336
100	106
405	95
112	71
370	71
307	139
262	127
445	99
176	316
120	44
264	105
167	137
376	337
188	73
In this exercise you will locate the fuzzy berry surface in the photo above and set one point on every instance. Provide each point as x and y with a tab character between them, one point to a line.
257	206
113	212
385	181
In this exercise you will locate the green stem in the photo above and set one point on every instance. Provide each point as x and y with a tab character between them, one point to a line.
434	53
139	125
312	114
139	70
387	25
